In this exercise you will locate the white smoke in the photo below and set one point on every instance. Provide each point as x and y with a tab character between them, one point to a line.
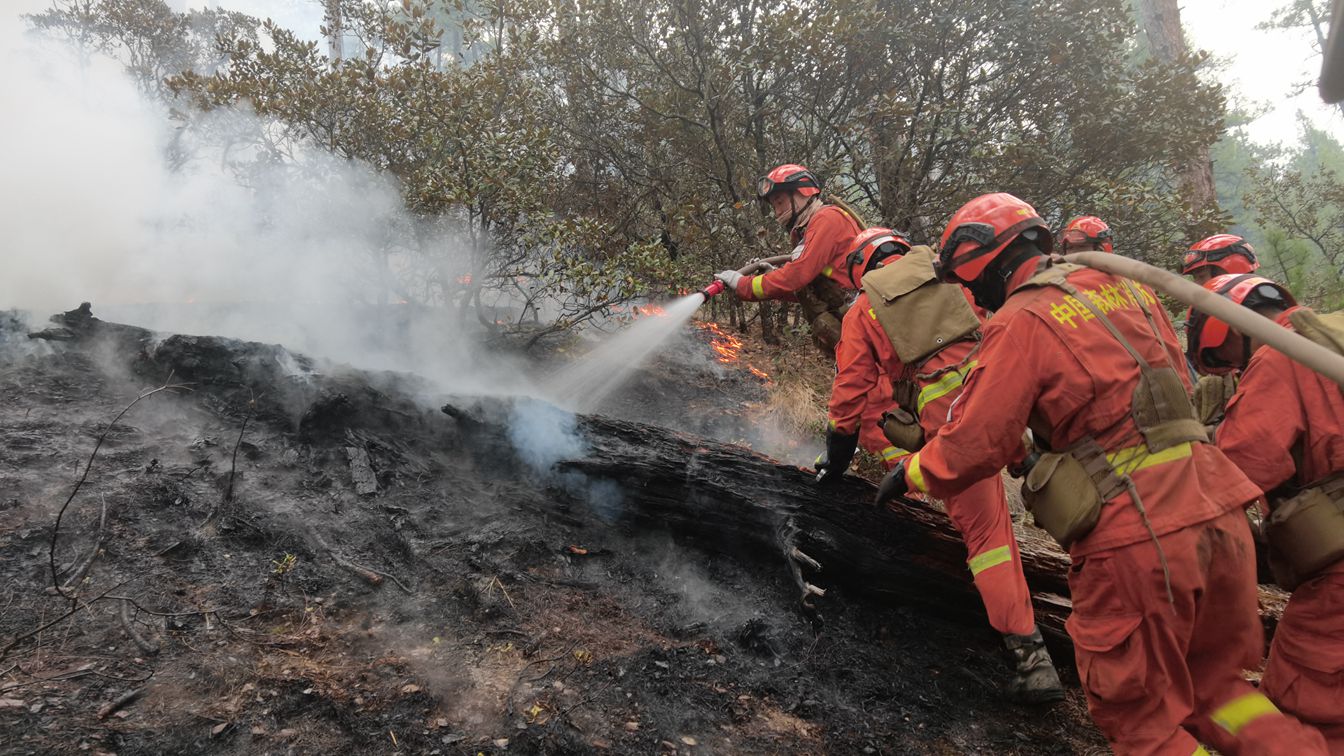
543	435
105	199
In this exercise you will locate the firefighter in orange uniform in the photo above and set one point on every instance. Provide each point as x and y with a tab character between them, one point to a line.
1086	233
1285	429
1163	584
901	291
823	235
1219	255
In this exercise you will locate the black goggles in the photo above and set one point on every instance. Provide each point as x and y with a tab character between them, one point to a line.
980	233
884	250
765	186
1214	255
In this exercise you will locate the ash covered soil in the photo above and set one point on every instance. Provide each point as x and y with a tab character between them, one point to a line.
382	582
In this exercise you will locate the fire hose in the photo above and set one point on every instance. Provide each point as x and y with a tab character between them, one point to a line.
765	263
1243	319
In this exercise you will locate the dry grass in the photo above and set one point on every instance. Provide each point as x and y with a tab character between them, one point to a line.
799	389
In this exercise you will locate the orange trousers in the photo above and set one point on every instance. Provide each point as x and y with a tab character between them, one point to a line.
1305	674
1163	675
871	437
980	514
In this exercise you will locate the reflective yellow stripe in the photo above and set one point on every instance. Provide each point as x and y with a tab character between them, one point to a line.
832	424
943	386
992	558
872	313
892	452
819	459
912	472
758	287
1242	711
1199	751
827	271
1137	458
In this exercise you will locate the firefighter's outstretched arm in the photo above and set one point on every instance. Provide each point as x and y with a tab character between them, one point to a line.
987	422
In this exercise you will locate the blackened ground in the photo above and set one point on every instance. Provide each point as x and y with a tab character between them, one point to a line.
526	623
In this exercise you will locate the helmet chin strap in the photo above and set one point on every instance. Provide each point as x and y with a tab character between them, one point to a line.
797	211
991	288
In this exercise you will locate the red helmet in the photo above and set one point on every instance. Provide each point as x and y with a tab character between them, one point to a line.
981	229
1204	334
872	246
788	177
1085	231
1225	252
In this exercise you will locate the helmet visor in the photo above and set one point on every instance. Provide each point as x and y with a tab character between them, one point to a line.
765	186
979	234
1199	256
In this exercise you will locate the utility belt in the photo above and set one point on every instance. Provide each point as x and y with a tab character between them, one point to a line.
1306	532
1065	490
901	425
824	303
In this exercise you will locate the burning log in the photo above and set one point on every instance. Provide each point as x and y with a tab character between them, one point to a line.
731	500
718	496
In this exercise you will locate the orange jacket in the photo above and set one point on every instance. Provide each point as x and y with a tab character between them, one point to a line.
865	353
1280	409
825	242
1047	358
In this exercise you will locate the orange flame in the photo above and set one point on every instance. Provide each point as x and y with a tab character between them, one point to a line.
650	310
728	347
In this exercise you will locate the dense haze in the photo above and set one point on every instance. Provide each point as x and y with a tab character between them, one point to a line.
95	212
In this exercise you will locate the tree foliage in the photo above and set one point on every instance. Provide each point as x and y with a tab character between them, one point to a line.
591	151
1296	197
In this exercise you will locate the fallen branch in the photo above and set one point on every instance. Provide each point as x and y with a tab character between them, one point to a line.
118	702
369	576
372	576
55	531
78	576
127	622
77	607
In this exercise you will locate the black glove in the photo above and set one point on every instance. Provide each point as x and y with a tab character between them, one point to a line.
893	485
833	462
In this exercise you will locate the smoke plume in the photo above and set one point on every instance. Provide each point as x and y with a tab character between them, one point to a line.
179	228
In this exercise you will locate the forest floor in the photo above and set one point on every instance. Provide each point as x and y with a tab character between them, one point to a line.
287	571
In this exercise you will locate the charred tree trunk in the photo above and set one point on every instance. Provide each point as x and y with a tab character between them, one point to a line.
728	499
719	497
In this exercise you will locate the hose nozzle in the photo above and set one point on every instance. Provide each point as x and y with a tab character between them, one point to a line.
713	289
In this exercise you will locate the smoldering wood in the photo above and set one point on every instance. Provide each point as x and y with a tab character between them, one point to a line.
728	499
715	496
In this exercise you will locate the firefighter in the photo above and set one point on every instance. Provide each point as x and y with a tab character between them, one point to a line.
1122	474
1219	255
1285	429
936	332
824	234
1086	233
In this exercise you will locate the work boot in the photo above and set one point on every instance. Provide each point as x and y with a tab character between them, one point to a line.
1036	680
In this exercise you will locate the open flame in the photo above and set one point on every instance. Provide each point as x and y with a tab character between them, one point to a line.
728	347
637	311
